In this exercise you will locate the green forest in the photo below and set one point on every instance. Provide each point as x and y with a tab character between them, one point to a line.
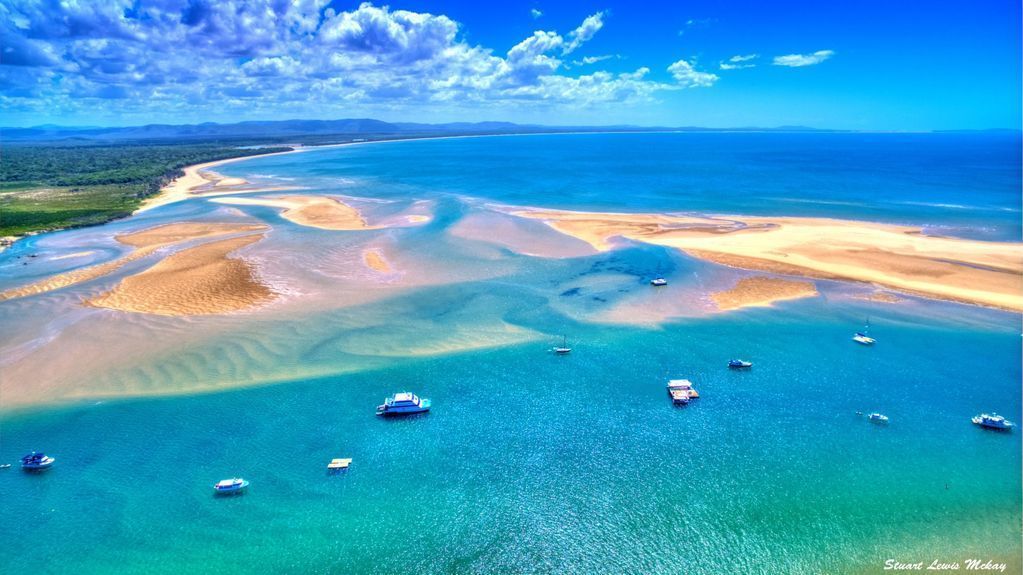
53	186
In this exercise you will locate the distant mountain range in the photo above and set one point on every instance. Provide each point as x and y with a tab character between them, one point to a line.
318	130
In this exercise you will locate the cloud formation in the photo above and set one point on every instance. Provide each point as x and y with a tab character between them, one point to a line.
739	62
279	57
535	13
799	60
689	77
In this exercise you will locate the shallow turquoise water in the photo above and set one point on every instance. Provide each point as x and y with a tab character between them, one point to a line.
536	463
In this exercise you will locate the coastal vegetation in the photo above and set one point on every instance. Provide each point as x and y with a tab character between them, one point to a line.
48	186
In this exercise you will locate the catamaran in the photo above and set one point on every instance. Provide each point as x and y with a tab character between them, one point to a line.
993	421
404	403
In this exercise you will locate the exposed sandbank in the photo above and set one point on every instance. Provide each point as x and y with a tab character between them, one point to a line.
762	291
897	257
199	280
320	212
145	241
376	262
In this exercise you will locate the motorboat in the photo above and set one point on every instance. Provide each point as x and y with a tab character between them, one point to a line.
679	397
993	421
36	461
404	403
739	364
233	485
658	282
877	418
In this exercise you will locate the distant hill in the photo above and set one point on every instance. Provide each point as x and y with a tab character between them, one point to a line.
311	130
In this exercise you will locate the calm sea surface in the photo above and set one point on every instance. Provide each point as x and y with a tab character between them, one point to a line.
533	463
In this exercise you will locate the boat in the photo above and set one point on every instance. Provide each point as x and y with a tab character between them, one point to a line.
877	418
682	385
739	364
233	485
5	466
679	396
36	461
861	337
993	421
563	349
340	464
404	403
658	282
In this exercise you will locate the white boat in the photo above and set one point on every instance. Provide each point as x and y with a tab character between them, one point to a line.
739	364
404	403
861	337
658	282
36	461
993	421
679	396
684	386
233	485
878	418
562	349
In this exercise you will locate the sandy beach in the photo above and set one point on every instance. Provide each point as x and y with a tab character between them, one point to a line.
145	241
897	257
196	281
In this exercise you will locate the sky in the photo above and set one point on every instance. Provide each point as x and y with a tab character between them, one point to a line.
863	64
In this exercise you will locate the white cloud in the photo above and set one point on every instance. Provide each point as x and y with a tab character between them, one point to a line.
587	60
689	77
739	62
798	60
535	13
271	57
590	26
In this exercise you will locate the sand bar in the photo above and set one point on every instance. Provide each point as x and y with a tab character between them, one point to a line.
762	291
376	262
145	241
320	212
196	281
897	257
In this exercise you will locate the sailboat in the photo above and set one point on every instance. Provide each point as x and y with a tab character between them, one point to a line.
563	349
861	337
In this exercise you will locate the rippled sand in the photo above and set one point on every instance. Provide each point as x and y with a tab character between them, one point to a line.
196	281
762	291
146	242
897	257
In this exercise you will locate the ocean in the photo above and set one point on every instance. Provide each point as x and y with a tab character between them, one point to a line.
530	462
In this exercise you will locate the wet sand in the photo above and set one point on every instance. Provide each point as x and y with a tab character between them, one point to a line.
762	291
900	258
200	280
145	241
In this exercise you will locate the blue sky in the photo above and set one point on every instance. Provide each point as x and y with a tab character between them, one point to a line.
885	65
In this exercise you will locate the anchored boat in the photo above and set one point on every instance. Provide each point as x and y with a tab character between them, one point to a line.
563	349
878	418
404	403
739	364
862	338
993	421
233	485
36	461
658	282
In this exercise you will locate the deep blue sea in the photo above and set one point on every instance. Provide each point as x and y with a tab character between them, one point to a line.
531	462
